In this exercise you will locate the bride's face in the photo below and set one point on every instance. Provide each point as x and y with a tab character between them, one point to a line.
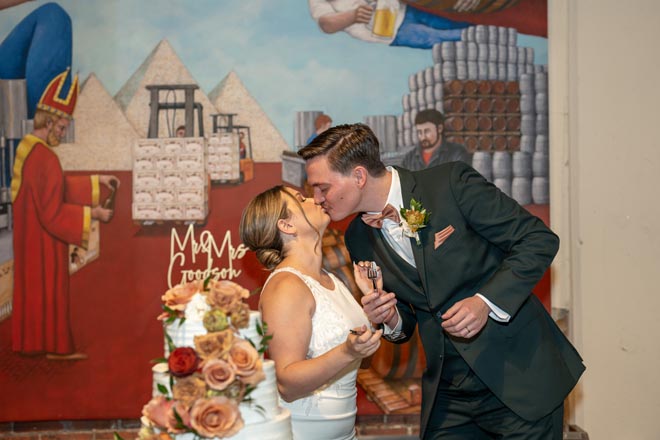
314	213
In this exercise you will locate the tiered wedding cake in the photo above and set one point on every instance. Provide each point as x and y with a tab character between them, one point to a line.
213	382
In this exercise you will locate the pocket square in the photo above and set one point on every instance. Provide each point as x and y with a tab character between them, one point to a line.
441	236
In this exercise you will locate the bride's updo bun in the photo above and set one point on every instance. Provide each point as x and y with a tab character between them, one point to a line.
258	228
270	258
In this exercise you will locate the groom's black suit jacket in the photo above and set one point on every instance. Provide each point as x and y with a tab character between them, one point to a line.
497	249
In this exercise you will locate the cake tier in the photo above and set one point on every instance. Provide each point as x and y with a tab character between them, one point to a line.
264	405
183	335
277	428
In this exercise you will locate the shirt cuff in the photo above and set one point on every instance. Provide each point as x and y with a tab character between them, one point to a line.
394	334
495	312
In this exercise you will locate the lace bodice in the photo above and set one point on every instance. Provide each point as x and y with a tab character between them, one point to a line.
336	313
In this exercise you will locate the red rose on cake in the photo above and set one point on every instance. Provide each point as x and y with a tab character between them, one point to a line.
183	361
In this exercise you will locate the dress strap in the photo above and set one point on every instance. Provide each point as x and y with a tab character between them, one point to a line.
306	279
311	283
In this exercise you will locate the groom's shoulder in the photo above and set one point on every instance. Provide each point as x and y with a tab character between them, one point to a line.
355	228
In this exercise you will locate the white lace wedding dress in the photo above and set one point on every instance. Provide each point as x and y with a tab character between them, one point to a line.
328	413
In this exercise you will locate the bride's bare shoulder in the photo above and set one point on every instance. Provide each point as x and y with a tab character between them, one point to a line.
286	294
285	284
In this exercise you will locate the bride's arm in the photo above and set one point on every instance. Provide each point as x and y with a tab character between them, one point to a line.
287	306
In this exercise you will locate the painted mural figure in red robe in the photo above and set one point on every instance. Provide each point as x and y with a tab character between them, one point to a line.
51	211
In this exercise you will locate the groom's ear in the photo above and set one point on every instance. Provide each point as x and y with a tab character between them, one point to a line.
360	175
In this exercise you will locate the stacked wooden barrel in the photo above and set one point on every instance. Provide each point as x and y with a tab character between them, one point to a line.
483	115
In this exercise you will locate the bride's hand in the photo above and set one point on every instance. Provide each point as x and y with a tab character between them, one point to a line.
362	342
360	270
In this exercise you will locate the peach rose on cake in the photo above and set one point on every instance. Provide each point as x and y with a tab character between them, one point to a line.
160	413
218	374
188	389
157	411
178	296
173	424
226	295
246	362
216	417
214	345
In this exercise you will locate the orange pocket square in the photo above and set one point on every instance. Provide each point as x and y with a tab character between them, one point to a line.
441	236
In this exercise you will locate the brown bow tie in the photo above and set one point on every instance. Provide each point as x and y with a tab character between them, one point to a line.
376	220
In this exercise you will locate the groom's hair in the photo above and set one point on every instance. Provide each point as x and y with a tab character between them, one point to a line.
345	147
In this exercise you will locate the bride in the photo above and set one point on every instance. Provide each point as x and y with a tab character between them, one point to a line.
320	334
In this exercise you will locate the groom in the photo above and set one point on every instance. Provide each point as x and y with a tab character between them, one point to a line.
497	364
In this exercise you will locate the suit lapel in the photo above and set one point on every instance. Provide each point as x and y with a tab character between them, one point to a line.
409	190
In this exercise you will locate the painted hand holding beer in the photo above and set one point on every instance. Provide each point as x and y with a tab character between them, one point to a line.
421	24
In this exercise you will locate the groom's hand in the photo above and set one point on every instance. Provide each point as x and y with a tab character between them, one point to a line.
380	307
466	318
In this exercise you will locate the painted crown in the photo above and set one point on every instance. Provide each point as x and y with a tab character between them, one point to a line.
52	100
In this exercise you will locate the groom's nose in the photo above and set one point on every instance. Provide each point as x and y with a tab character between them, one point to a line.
318	197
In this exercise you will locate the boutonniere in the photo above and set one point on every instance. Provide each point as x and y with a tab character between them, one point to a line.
413	219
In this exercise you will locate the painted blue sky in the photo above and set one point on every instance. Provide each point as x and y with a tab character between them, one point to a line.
275	47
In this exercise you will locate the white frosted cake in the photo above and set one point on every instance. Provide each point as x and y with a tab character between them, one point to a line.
213	383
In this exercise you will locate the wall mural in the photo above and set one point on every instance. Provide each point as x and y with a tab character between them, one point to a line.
184	112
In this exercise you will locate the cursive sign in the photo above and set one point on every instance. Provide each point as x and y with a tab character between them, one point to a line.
184	254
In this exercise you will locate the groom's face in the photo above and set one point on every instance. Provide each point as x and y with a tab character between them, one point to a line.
338	194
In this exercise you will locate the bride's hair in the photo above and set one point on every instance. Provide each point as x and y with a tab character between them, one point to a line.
258	227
